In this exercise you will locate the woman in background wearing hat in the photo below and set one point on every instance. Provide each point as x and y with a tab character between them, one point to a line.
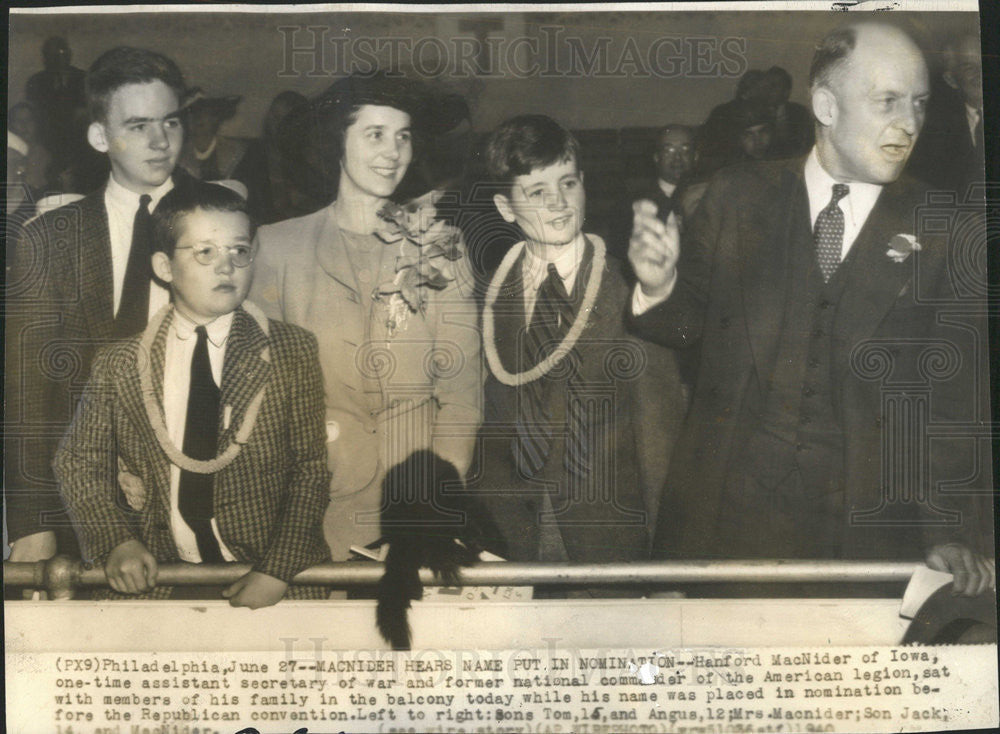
206	155
401	370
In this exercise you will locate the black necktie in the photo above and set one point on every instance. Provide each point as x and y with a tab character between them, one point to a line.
829	233
195	496
133	308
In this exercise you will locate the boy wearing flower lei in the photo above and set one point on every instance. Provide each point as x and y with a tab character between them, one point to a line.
580	417
202	440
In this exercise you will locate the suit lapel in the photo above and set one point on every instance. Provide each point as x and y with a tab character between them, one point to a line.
767	235
509	317
96	286
132	400
244	373
332	255
876	280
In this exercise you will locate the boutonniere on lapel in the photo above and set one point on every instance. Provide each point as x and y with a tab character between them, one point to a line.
901	246
427	248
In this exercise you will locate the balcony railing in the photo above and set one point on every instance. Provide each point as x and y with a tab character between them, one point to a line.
62	576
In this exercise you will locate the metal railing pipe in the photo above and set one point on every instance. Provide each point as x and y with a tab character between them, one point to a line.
62	575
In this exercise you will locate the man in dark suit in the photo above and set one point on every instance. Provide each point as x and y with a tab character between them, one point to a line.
950	152
675	157
81	276
818	322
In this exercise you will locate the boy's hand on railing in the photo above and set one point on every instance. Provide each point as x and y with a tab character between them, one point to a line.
255	590
131	568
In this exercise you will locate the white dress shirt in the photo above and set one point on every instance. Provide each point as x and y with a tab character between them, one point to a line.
181	341
666	187
121	205
972	116
535	270
857	205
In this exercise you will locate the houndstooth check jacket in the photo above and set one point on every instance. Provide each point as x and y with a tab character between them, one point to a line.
269	502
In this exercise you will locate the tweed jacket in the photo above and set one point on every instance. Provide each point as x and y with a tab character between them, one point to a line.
268	502
609	515
894	323
386	394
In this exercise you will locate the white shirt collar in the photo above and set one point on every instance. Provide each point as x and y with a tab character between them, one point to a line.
567	261
218	330
128	200
973	116
666	187
203	154
858	203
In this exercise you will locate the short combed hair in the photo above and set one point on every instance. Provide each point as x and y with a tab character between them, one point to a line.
831	53
186	198
525	143
127	65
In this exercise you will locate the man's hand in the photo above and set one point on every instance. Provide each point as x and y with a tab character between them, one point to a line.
653	250
131	568
35	547
255	590
973	573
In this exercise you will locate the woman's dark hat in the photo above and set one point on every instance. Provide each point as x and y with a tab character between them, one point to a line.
309	139
430	113
222	108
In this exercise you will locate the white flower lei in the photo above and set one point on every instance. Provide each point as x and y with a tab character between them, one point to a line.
566	346
153	413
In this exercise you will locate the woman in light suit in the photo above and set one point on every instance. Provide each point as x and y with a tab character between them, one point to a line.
399	376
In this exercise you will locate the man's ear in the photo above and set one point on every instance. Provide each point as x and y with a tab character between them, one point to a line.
824	106
161	267
502	204
98	138
950	79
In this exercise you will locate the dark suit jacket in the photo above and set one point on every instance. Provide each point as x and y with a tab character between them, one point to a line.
640	428
944	155
59	310
887	333
269	501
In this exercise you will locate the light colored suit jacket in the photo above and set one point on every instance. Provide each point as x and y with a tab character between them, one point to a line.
268	502
386	395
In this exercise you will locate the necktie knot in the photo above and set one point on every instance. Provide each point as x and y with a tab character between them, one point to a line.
202	333
144	201
839	192
556	285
